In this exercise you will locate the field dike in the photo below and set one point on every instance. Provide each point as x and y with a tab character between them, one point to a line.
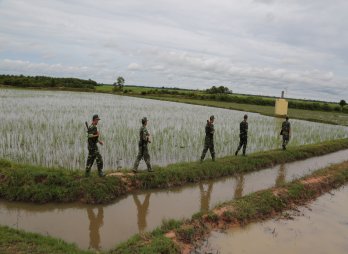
182	236
41	185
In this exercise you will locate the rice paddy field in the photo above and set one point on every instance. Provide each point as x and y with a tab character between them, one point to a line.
48	128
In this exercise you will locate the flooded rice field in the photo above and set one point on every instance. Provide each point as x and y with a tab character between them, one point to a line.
48	128
103	226
320	228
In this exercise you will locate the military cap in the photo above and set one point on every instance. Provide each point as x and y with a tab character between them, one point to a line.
96	117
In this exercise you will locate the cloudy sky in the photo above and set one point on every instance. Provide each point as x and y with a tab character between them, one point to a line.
251	46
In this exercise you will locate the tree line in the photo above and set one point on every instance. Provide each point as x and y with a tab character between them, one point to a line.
43	81
224	94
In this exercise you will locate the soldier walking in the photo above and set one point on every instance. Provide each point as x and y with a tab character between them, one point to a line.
243	136
93	152
143	150
286	132
209	139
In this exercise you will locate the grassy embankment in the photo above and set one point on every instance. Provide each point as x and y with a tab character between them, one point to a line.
179	236
17	241
37	184
337	118
183	96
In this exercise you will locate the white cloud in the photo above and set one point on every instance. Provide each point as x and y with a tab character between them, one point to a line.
134	67
258	46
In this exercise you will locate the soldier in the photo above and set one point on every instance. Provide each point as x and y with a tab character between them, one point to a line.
285	132
243	136
209	139
143	151
93	152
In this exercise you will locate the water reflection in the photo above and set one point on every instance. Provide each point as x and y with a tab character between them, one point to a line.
96	221
281	178
318	228
142	209
238	191
205	196
84	224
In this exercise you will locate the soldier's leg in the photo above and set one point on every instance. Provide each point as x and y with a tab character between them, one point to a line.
212	151
147	159
283	144
138	159
285	141
239	146
205	149
245	142
90	160
99	160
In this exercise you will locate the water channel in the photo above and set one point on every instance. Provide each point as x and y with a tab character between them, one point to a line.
320	228
104	226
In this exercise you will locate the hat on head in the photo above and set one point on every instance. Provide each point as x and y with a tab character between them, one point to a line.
212	117
95	117
144	119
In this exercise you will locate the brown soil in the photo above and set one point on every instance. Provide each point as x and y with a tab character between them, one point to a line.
314	180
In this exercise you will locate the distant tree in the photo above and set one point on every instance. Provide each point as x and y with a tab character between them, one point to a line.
120	82
342	103
218	90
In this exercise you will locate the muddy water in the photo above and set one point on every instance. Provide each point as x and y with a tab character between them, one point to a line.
102	227
320	228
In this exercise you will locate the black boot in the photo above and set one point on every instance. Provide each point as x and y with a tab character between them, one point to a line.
101	173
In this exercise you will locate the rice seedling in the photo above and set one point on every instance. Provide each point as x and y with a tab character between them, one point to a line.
47	128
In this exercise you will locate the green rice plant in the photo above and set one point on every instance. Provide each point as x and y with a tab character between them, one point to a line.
47	128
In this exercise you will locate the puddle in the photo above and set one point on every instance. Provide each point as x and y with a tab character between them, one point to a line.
320	228
103	226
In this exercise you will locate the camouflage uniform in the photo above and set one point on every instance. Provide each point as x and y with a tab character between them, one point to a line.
93	152
286	133
143	150
243	136
209	141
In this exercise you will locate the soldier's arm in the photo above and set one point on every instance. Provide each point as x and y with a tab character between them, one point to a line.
282	126
92	133
147	136
144	135
211	129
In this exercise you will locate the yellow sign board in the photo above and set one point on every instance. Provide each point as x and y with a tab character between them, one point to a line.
281	107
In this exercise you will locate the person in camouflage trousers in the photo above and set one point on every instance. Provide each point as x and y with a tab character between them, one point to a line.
286	132
243	136
143	150
93	152
209	139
